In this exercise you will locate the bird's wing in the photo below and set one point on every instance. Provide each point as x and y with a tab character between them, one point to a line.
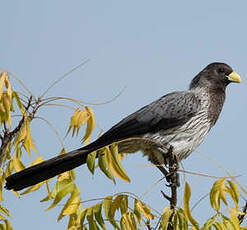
169	111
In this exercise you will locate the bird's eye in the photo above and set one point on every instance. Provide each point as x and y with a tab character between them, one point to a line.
221	70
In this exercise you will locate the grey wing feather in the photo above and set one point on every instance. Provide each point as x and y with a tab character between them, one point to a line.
169	111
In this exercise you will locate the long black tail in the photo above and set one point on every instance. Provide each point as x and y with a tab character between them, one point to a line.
47	169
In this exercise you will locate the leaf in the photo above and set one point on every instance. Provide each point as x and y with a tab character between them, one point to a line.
90	219
115	163
124	204
218	193
32	188
91	161
69	188
234	192
90	124
72	204
107	205
128	222
183	223
82	216
219	226
18	165
36	161
167	212
4	211
144	209
98	216
2	80
234	219
137	212
187	194
18	102
103	164
209	223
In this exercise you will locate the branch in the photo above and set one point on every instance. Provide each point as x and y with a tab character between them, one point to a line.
242	216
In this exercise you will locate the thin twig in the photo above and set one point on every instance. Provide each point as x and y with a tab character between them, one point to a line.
64	76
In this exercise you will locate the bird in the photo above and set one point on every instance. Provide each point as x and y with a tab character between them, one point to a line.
179	119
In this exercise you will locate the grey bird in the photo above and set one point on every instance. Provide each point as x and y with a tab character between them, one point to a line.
179	120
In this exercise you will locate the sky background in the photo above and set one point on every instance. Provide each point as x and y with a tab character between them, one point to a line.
152	48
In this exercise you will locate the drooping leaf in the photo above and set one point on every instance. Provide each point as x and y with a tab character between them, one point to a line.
98	215
218	193
90	124
144	209
91	161
103	165
18	165
234	219
234	192
72	204
69	188
187	194
137	212
115	163
167	212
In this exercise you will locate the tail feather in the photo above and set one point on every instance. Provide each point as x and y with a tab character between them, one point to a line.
46	170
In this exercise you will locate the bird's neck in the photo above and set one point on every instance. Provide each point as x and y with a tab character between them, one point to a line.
216	102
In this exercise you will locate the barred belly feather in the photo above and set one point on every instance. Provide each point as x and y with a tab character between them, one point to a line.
184	139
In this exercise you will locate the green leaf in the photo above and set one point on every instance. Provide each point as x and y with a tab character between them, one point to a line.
167	212
137	212
103	164
98	216
91	161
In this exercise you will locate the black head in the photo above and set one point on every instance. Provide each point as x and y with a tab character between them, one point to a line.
216	75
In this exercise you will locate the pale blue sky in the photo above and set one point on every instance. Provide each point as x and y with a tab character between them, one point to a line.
152	47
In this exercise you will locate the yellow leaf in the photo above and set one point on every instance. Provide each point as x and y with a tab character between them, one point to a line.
183	223
107	205
98	216
128	222
2	80
18	101
144	209
167	212
18	165
90	219
68	188
234	192
71	205
115	163
187	194
74	121
7	106
82	216
4	211
90	124
124	204
32	188
8	87
137	212
36	161
234	219
218	193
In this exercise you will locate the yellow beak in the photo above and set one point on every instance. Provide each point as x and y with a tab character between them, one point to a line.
234	77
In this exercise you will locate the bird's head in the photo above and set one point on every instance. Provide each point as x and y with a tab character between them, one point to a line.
216	75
